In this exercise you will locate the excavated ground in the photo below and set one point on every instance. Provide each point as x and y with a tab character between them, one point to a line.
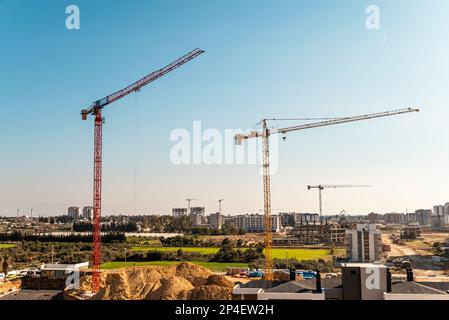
184	281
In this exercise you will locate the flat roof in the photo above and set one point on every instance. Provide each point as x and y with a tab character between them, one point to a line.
409	287
33	295
262	284
303	286
443	286
362	265
63	267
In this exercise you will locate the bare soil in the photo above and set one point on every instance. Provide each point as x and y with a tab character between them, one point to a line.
177	282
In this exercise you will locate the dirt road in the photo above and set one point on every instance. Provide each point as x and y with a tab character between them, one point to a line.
419	254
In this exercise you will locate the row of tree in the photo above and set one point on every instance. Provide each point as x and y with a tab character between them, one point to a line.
169	224
83	226
17	236
227	253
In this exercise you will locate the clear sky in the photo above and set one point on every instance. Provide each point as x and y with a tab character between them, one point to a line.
264	58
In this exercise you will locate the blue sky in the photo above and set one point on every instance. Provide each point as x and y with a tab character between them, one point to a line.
263	59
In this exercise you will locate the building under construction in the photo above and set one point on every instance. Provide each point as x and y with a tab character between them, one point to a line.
317	233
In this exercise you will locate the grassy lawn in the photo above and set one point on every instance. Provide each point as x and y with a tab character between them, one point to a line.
7	245
301	254
213	266
279	253
207	250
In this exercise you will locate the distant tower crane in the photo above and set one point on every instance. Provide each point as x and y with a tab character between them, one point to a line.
265	134
95	109
322	187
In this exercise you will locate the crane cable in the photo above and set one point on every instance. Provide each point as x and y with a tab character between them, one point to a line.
136	147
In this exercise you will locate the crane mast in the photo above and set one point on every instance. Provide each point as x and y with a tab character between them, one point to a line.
96	110
265	134
268	236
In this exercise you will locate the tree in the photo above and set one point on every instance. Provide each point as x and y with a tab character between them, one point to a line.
5	265
438	248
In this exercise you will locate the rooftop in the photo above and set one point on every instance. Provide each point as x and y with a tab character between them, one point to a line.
303	286
414	288
63	267
262	284
363	265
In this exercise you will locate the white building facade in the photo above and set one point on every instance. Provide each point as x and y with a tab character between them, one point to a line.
255	223
364	243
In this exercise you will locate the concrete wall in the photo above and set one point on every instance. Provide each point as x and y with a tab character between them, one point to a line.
289	296
404	296
43	284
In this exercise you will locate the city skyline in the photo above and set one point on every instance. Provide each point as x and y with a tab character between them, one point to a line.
442	209
275	61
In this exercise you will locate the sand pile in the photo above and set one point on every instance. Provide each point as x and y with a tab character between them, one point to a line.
177	282
171	289
281	276
211	292
219	281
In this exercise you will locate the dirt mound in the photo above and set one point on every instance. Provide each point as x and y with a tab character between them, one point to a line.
219	281
183	281
171	289
212	292
196	274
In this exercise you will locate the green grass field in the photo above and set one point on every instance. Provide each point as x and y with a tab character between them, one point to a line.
208	250
7	245
213	266
278	253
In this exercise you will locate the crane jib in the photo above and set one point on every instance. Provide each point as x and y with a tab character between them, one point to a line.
145	80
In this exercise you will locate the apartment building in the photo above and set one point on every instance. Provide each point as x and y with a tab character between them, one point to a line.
73	212
179	212
88	212
255	223
440	221
439	210
395	218
424	217
364	243
216	220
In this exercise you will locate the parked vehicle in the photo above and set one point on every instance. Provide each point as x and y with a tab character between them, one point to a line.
11	276
2	276
33	273
255	274
307	274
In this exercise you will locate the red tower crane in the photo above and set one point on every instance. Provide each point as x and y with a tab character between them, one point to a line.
95	110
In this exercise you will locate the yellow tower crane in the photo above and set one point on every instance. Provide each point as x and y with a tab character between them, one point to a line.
265	134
